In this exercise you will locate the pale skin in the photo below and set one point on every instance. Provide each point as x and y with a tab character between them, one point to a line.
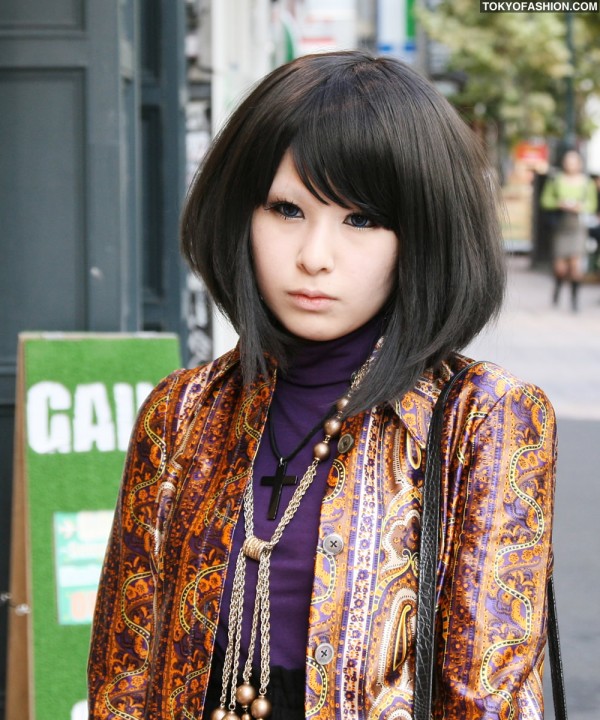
322	269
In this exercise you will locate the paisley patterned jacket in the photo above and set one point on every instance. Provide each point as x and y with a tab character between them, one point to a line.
190	458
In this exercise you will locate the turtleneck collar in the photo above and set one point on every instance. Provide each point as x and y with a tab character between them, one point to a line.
316	364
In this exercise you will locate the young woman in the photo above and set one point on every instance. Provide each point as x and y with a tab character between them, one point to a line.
264	560
573	194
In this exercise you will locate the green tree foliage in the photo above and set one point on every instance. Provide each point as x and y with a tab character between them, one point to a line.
516	65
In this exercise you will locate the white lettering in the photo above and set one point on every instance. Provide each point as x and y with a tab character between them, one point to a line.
46	432
92	421
127	409
538	6
123	394
142	390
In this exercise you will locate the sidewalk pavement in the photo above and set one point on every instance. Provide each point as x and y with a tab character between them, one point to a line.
552	347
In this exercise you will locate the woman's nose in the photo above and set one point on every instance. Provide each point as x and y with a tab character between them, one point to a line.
315	253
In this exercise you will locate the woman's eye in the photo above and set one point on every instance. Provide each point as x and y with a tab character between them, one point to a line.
286	210
360	221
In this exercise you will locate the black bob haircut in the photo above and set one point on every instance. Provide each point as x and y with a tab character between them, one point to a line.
368	133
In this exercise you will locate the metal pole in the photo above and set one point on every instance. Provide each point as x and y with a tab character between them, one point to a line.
570	136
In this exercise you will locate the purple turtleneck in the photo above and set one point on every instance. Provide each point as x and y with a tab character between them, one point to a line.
318	375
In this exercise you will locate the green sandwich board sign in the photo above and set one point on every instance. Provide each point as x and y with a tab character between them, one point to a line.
77	398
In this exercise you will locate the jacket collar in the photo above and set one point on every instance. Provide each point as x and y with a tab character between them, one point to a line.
414	409
231	361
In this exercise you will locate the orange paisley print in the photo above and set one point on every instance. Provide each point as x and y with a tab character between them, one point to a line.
190	458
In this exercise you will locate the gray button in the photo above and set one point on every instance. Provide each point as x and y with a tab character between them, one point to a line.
345	443
324	653
333	544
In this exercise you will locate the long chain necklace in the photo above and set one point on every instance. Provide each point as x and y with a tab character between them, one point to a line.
257	705
281	479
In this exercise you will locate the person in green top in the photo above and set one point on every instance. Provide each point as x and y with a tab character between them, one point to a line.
573	194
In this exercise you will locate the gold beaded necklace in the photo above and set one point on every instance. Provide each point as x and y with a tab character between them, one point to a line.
256	705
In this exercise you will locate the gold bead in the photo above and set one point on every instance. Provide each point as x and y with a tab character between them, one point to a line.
261	708
230	715
245	694
321	450
342	403
332	426
218	714
246	716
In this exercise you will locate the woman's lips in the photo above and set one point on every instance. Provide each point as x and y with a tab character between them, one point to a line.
311	299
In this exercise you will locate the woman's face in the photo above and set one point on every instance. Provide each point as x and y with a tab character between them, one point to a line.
323	270
572	163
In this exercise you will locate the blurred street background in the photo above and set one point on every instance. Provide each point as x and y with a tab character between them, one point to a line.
106	110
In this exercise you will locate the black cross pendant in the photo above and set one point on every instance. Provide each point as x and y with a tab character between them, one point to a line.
277	482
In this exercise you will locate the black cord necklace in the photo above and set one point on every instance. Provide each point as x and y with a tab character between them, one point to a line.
280	479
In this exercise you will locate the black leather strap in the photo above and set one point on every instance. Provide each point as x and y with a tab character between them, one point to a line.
428	558
556	666
428	555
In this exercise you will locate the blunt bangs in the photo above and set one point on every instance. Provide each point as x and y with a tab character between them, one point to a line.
339	157
366	133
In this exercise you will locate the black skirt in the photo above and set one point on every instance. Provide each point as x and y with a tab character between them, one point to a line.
285	691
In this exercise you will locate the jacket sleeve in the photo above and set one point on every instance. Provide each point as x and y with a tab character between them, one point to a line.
123	620
493	604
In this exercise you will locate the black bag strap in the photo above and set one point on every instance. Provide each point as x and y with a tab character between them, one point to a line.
428	558
556	667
